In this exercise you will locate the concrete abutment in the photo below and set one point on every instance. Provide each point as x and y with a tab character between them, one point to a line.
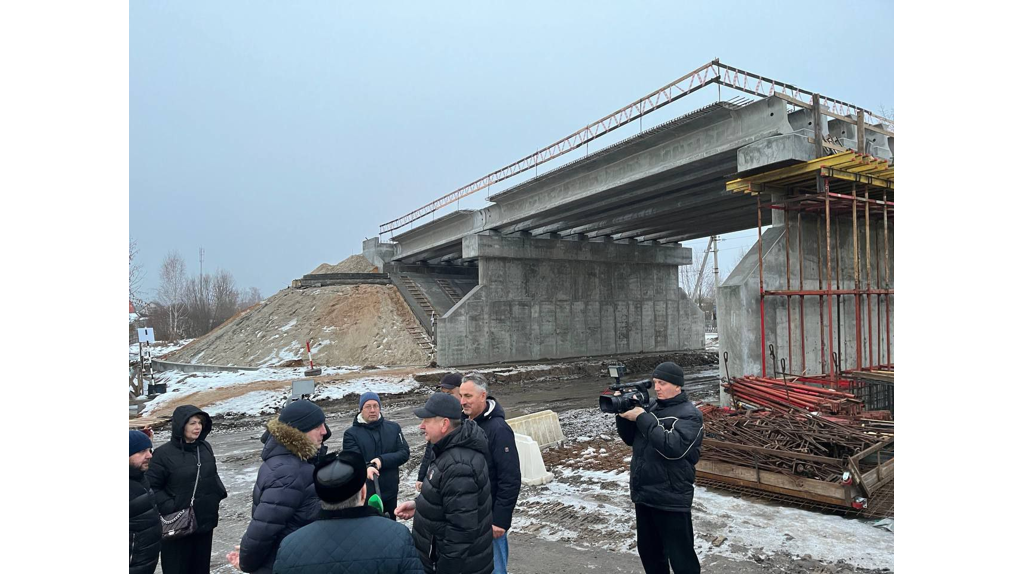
540	299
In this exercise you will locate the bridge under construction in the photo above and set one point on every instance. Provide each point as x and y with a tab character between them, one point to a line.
582	261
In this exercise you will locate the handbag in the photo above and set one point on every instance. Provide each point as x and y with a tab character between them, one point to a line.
183	522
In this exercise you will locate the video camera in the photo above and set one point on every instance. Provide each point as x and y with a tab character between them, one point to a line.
609	403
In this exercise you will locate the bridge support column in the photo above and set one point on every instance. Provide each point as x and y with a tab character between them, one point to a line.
540	299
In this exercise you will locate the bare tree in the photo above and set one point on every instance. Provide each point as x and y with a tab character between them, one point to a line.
224	297
889	115
172	293
688	281
135	274
198	307
251	297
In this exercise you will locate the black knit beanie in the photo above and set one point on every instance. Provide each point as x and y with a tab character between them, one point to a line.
302	415
669	372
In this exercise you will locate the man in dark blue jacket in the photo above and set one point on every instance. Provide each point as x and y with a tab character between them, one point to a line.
144	529
666	444
348	537
284	498
382	446
502	462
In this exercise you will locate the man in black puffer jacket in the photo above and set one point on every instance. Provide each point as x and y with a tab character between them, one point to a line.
449	384
284	498
666	447
502	461
452	526
143	518
179	466
383	448
348	536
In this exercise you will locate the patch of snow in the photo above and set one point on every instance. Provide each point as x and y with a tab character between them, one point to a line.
180	384
157	349
379	385
290	324
254	403
825	537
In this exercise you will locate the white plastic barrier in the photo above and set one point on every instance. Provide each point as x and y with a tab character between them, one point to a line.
531	464
542	427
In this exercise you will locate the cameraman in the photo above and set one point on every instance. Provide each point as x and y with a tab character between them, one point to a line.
666	446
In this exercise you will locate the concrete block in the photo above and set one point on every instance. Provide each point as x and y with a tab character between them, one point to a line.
531	463
542	427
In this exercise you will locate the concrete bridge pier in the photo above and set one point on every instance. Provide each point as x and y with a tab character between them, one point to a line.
540	299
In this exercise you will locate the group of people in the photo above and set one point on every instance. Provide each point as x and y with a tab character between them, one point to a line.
314	511
179	476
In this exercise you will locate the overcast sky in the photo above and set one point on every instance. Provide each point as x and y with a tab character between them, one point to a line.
278	136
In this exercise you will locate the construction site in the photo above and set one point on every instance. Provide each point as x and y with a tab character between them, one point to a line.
575	269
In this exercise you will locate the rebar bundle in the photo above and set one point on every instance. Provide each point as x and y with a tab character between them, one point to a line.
793	444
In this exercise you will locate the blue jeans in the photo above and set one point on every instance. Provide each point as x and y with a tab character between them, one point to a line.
501	554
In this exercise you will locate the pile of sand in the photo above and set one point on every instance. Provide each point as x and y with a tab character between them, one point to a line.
354	264
348	325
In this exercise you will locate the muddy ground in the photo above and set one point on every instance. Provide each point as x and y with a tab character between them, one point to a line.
581	522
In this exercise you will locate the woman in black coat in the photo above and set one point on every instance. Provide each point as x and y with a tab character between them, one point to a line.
172	475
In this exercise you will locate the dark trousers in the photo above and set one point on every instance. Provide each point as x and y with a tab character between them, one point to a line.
664	538
188	555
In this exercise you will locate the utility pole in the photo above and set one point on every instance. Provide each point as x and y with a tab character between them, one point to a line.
714	239
714	308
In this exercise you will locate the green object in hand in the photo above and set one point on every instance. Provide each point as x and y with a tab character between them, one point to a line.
376	502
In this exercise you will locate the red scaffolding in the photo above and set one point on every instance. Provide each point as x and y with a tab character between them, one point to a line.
847	185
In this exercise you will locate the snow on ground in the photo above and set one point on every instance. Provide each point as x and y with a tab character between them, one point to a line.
159	348
711	341
776	528
267	402
588	504
379	385
180	383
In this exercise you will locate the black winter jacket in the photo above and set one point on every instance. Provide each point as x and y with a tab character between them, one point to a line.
428	457
666	447
172	472
380	439
144	529
503	463
349	541
283	499
452	526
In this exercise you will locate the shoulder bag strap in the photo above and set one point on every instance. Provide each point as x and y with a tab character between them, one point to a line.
199	464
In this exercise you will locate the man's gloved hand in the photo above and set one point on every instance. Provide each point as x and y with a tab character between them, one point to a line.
631	414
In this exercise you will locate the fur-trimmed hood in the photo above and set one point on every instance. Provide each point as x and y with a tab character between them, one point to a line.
281	439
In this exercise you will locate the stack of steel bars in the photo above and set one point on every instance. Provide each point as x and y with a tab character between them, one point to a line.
793	444
785	395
